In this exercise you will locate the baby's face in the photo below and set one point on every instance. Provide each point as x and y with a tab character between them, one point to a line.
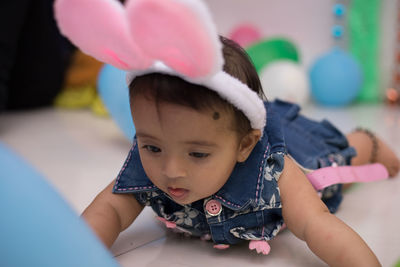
186	153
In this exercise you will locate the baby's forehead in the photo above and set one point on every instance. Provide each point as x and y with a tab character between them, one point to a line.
151	110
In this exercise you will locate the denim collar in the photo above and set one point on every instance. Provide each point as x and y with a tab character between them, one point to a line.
243	186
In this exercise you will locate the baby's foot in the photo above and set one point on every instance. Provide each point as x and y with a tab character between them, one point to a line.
371	149
386	156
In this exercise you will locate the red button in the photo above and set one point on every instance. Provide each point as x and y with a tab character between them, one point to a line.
213	207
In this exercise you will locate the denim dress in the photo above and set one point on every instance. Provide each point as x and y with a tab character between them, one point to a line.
249	204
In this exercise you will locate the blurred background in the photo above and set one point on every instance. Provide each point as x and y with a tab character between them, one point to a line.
332	53
65	121
367	30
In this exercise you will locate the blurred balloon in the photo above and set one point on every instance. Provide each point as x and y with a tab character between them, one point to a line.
245	35
37	227
336	78
267	51
114	92
392	96
285	80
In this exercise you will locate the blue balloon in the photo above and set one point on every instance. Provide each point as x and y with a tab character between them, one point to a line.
336	78
114	92
37	227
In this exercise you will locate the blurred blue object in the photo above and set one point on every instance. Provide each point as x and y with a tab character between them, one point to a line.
115	94
336	78
339	10
337	31
37	227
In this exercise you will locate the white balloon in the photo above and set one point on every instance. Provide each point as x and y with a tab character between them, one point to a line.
286	80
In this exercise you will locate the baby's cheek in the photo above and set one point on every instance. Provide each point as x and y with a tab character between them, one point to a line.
151	171
214	183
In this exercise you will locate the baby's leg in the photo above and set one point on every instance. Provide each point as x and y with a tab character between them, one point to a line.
368	152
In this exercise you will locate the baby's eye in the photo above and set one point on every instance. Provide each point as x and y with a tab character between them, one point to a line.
152	149
199	154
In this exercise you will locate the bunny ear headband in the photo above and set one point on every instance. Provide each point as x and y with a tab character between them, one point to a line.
175	37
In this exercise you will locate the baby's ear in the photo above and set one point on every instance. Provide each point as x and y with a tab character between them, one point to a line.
247	144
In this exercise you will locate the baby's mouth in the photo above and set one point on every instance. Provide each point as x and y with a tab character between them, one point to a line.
177	193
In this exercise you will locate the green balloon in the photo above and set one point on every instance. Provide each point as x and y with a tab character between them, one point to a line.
264	52
364	44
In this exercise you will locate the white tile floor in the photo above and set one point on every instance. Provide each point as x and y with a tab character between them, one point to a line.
80	153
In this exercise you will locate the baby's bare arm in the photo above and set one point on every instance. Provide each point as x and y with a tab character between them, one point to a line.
109	214
309	219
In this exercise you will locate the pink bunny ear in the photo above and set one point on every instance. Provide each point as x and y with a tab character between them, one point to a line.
179	33
100	29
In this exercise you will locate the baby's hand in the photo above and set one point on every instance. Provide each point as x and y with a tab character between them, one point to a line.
260	246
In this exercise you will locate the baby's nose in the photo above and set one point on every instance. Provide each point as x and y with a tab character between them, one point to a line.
174	168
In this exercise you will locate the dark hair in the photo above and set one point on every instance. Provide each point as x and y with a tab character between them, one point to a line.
172	89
